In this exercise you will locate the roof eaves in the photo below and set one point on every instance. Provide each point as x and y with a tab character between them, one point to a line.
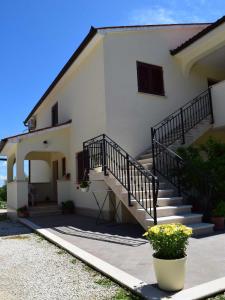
198	36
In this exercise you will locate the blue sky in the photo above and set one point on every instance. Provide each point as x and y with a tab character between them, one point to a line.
38	37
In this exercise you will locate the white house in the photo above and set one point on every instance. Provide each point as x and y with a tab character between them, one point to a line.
121	81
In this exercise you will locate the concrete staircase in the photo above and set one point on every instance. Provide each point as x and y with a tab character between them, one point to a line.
170	207
44	209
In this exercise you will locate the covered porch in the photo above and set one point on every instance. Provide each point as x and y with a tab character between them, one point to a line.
38	168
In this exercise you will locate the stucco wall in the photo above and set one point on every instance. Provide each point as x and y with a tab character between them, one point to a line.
218	100
131	114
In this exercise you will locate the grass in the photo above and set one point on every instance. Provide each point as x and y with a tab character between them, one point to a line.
73	261
123	294
16	237
106	282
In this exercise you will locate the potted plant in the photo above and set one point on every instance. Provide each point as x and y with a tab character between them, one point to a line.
218	215
84	186
23	212
68	207
169	242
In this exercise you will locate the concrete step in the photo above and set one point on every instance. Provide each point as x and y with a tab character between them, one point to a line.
145	160
165	211
182	218
145	194
167	201
162	185
147	155
201	228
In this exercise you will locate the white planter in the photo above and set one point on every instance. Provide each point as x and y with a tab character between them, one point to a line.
84	190
98	169
170	274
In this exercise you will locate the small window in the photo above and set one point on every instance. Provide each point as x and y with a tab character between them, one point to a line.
63	166
55	115
150	79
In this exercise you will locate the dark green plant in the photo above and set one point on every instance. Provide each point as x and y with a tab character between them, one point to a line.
22	209
202	174
84	184
68	206
219	210
3	193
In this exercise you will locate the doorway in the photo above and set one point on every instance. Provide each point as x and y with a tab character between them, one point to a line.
55	177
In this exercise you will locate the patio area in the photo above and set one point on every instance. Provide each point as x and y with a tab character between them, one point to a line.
122	246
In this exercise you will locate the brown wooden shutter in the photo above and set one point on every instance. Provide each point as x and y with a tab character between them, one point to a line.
82	170
55	115
150	79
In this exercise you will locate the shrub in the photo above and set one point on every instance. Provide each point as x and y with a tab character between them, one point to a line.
219	210
3	193
84	184
169	241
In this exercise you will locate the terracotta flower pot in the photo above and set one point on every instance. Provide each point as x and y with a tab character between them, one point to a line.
218	222
170	273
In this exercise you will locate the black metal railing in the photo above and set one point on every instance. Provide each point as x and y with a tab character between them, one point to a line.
174	128
184	119
139	182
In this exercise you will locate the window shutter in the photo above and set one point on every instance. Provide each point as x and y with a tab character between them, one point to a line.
55	115
81	159
150	79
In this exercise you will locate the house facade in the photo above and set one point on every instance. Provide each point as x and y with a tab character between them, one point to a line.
120	81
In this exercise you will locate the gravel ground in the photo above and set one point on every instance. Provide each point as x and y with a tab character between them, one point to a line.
33	268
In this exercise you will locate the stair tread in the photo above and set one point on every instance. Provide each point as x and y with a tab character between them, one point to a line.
169	207
181	216
200	225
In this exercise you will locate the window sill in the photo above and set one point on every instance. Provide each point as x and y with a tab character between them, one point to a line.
155	95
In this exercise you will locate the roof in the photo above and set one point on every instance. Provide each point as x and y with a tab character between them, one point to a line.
4	141
198	36
93	31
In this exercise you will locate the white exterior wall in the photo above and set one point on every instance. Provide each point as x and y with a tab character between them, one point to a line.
218	100
131	114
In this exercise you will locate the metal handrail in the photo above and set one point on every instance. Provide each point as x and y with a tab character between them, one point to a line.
141	184
173	128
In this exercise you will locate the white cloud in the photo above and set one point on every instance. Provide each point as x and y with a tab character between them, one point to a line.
156	15
162	15
3	177
3	163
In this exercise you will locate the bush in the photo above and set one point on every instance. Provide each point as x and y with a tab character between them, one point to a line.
84	184
169	241
219	210
203	173
3	194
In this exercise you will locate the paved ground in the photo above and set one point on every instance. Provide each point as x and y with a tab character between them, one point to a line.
32	268
123	247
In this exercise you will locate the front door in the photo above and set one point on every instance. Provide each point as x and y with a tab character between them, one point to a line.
55	177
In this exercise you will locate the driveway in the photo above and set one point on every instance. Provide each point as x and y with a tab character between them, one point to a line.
33	268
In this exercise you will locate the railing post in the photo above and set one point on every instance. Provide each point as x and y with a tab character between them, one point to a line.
182	125
154	198
128	179
211	105
153	151
178	179
104	155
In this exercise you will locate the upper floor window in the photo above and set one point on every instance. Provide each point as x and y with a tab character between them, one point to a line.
55	120
150	79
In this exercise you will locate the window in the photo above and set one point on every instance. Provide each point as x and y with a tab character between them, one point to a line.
63	166
150	79
55	114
